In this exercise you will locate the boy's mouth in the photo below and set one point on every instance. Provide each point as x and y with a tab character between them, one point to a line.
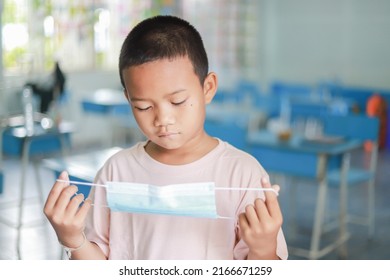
167	134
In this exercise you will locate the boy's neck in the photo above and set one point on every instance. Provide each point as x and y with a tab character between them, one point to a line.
183	155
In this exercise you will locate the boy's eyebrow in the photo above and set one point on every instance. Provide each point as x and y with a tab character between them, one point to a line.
169	94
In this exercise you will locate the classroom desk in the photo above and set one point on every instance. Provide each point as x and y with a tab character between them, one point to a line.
81	167
309	159
112	105
106	101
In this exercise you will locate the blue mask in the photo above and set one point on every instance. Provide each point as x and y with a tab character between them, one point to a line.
194	200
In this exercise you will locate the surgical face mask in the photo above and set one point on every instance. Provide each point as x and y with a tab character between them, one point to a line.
191	200
195	200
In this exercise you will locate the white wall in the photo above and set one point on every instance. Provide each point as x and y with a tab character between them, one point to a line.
310	40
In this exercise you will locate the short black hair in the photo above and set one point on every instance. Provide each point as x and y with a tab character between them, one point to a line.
163	37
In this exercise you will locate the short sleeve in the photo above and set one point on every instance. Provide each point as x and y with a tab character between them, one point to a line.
98	220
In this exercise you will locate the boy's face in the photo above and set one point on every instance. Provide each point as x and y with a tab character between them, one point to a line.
168	101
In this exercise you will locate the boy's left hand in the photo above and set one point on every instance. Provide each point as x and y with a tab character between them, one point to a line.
260	224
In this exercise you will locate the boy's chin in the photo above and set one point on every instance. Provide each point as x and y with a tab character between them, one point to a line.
167	145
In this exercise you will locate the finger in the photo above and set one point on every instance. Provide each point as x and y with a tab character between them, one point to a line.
74	205
65	198
271	199
262	210
56	190
83	210
251	216
243	222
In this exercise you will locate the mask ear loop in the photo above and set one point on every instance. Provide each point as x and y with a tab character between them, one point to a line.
248	189
216	189
85	184
226	218
243	189
81	183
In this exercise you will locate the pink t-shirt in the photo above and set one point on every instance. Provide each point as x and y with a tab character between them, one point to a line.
148	236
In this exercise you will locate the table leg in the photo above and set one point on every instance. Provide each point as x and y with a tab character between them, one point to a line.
25	159
318	219
344	205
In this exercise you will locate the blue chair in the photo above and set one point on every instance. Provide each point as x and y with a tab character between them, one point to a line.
231	132
246	90
289	89
269	104
223	95
308	109
357	94
363	128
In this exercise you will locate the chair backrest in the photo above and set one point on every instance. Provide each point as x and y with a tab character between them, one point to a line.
247	91
361	127
308	110
282	88
231	132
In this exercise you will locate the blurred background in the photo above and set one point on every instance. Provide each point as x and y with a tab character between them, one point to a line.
283	66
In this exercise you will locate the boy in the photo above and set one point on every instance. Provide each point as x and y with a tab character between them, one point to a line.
164	71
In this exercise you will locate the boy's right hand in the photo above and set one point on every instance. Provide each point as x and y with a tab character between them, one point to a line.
65	213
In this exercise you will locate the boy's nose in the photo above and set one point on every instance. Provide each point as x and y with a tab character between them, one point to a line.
163	118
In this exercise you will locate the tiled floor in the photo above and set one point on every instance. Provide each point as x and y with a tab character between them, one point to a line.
39	242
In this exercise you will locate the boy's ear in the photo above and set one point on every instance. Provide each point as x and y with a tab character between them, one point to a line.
210	86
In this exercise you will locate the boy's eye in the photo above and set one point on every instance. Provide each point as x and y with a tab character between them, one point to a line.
142	109
178	103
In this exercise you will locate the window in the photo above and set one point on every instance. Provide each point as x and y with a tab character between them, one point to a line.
15	36
88	34
81	35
